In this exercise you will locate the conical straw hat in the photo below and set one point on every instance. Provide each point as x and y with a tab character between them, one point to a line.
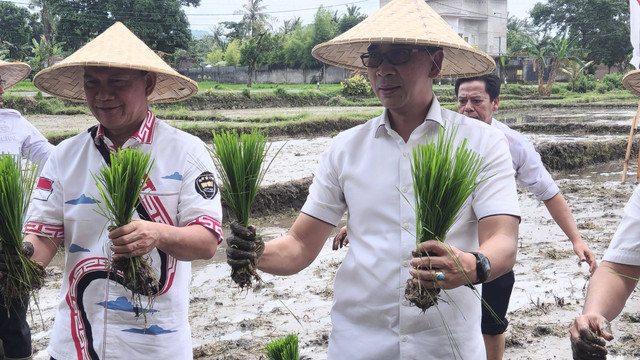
631	81
407	22
116	47
12	73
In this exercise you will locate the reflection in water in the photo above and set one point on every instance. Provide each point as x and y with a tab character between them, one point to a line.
566	115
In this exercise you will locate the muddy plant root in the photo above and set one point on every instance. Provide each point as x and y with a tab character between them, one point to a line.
12	288
246	275
420	296
140	280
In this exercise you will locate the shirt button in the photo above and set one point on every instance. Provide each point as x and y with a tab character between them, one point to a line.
405	263
404	189
405	303
405	339
405	153
405	226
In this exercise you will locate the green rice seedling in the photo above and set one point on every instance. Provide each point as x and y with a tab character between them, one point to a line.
443	178
239	160
285	348
120	185
23	276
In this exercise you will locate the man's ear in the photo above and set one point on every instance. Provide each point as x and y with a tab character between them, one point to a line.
495	104
436	66
150	79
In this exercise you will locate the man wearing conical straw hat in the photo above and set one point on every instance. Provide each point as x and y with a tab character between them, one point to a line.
17	137
180	213
616	277
367	171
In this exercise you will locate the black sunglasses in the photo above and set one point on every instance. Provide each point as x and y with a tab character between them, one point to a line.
393	57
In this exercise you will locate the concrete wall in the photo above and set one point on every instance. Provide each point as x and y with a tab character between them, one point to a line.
273	75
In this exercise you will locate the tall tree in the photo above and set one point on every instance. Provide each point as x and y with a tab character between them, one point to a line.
17	30
602	26
350	19
161	24
256	21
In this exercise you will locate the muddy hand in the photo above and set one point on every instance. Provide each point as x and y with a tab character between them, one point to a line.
587	345
13	258
242	245
340	239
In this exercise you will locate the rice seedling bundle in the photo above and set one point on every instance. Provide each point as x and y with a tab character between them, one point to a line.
239	160
443	178
23	276
120	185
285	348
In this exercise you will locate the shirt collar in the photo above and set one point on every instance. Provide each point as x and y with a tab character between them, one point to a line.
434	114
144	135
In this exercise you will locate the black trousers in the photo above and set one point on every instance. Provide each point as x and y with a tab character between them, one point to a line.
14	329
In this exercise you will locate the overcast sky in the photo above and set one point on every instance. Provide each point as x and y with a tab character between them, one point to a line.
211	12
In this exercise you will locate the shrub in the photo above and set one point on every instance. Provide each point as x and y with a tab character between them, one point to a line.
246	93
356	85
585	83
280	92
612	82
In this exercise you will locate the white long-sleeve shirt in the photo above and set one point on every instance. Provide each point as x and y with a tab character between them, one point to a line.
19	137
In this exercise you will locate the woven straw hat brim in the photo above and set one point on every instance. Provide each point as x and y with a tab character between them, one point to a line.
116	47
13	72
631	81
405	22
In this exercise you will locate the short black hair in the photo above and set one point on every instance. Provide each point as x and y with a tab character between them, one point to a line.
491	84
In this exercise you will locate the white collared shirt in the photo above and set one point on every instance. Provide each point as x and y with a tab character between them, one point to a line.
367	170
19	137
180	192
530	171
625	244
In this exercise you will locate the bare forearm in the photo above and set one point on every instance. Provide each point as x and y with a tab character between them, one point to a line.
44	248
498	236
609	288
295	251
188	243
561	214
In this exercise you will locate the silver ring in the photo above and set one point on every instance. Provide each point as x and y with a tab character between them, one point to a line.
439	275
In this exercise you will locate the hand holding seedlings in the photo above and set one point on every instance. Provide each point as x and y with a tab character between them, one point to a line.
433	257
243	249
588	335
11	257
137	238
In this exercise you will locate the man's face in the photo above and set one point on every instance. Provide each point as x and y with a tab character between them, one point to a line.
404	87
474	102
118	97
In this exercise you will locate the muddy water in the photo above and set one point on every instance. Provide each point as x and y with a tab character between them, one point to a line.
617	115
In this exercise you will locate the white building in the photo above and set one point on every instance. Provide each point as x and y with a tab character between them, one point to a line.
482	23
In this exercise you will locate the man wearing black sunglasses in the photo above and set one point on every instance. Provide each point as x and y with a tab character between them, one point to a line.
367	171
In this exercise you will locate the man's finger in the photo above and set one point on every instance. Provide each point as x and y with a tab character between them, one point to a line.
338	240
243	232
240	243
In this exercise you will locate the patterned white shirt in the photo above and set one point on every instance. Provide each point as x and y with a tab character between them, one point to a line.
625	245
530	171
367	171
181	191
19	137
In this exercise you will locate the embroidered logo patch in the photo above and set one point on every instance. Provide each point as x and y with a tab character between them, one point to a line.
206	185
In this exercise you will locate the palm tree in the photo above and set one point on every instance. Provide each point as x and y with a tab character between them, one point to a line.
537	48
562	51
256	20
